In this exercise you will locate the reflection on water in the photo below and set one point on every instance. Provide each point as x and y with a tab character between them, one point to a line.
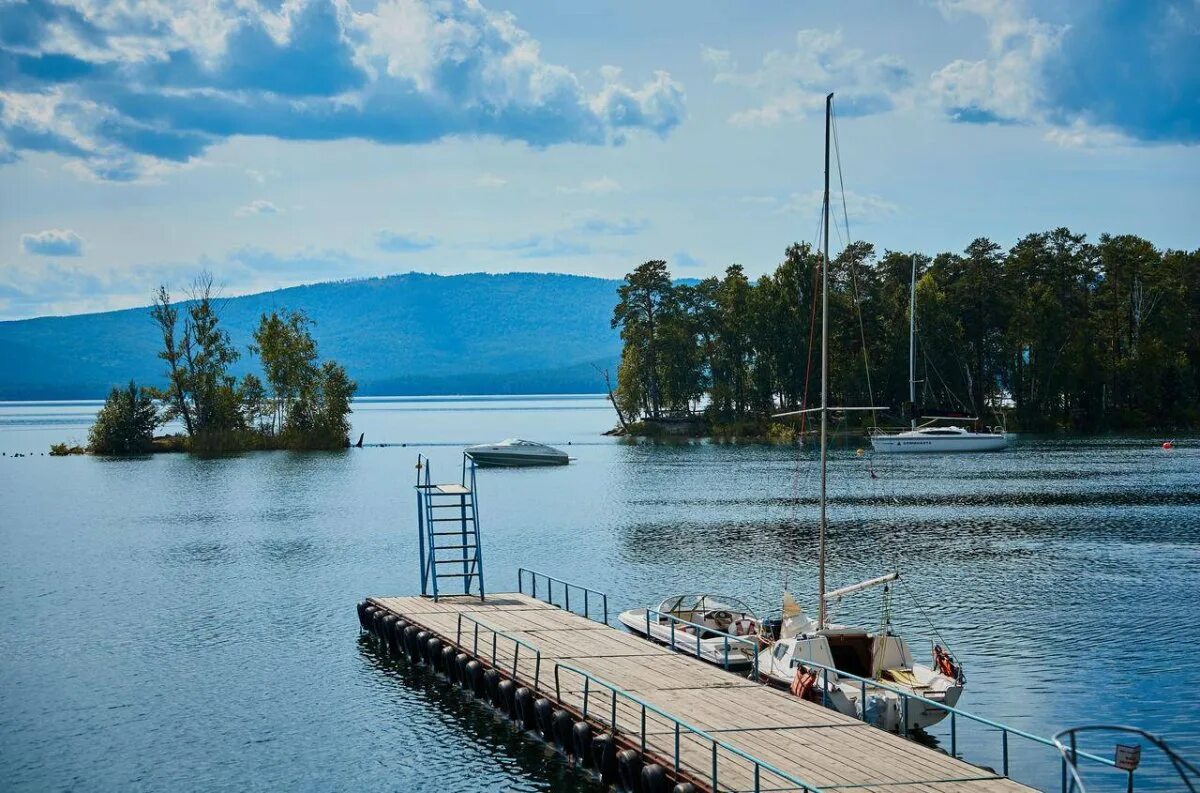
174	618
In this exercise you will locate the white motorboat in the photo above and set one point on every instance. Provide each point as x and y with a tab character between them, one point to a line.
516	452
930	438
715	628
879	656
939	439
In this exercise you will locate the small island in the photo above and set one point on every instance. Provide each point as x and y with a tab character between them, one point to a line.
300	402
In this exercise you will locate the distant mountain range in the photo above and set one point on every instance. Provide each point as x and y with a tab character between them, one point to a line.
404	334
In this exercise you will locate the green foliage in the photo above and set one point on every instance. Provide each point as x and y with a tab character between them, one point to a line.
1064	332
125	425
302	405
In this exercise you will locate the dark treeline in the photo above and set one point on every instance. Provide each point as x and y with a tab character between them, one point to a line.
1057	332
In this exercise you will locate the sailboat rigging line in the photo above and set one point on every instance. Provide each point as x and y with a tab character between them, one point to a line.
912	596
821	613
862	333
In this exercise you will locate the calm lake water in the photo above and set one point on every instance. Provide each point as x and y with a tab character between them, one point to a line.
178	623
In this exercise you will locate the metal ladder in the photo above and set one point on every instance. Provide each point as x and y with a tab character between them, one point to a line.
448	524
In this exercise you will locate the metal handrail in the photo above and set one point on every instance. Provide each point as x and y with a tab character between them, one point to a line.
534	575
905	696
680	725
753	641
1069	754
496	632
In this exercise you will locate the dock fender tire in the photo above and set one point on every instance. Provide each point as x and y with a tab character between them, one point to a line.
523	708
446	664
604	757
410	640
386	624
505	690
684	787
473	674
433	651
418	646
377	625
460	669
544	711
491	679
362	614
654	778
397	635
581	742
561	724
629	769
368	617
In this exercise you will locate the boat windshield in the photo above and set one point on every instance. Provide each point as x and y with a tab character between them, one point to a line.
696	604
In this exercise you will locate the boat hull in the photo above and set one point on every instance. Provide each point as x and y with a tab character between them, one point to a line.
711	651
503	460
904	444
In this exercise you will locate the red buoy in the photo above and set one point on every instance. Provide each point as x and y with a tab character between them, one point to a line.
1168	445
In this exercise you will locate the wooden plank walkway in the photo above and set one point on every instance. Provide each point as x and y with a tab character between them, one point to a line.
818	745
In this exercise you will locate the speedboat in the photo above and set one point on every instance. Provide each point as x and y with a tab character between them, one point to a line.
516	452
939	439
879	656
718	629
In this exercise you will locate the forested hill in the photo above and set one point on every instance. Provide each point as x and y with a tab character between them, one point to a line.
404	334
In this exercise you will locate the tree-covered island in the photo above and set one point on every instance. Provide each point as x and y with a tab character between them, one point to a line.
299	403
1055	333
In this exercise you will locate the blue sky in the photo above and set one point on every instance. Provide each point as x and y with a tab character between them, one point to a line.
291	141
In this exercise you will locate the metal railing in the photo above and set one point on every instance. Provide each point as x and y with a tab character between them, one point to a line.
697	630
496	634
589	595
955	714
680	728
1186	770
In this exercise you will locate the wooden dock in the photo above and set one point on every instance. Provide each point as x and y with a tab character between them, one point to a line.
747	735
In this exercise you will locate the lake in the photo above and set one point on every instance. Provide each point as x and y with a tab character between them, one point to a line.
174	623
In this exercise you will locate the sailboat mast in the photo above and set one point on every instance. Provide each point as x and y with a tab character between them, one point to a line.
824	373
912	342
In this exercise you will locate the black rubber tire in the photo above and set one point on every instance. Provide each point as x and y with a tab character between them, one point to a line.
460	669
561	724
523	708
544	711
505	690
433	651
417	652
581	743
654	778
471	671
410	640
683	787
387	627
377	625
396	638
368	617
629	769
491	683
447	664
362	614
604	757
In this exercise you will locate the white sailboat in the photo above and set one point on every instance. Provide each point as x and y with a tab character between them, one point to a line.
931	437
877	655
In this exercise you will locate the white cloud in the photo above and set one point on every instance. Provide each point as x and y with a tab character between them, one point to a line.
52	242
259	206
491	180
860	207
594	186
793	84
1006	86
